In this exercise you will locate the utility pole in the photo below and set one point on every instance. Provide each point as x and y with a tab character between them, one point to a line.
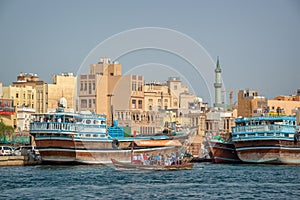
111	109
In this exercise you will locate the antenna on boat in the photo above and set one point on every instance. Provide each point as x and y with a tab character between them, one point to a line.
111	109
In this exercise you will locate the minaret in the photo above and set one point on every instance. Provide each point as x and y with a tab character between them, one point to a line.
218	85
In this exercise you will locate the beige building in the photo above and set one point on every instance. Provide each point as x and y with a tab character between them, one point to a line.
143	108
250	104
283	106
93	88
174	84
1	93
63	85
130	106
22	96
158	97
41	90
19	96
197	119
146	107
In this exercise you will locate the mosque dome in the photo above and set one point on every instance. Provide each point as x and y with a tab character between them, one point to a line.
62	102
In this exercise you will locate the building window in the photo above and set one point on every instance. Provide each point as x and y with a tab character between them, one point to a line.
150	107
151	100
81	86
94	86
83	103
90	103
85	86
90	88
133	103
165	100
166	107
94	101
32	97
175	103
134	86
140	86
158	100
175	87
140	104
17	95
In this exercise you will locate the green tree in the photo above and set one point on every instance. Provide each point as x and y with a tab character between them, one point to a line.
5	131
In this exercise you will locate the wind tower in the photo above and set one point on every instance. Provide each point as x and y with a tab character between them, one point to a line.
218	85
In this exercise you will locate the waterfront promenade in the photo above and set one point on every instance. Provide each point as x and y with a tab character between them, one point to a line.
18	161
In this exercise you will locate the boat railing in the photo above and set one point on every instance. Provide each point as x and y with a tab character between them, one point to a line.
274	128
265	118
60	126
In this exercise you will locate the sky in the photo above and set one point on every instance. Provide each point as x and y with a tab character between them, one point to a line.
257	42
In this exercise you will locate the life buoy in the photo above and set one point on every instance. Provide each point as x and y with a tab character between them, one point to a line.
115	144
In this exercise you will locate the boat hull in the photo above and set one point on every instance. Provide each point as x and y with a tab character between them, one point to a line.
223	152
67	150
270	151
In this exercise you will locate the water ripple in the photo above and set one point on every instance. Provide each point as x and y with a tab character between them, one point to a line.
205	181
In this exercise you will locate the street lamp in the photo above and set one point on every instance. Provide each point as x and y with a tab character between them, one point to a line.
111	109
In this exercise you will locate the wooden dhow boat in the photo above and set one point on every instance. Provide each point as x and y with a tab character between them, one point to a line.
223	151
84	138
267	139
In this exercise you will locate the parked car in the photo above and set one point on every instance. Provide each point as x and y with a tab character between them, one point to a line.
6	151
25	149
28	151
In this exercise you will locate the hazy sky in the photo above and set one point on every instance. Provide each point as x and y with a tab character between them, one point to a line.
258	42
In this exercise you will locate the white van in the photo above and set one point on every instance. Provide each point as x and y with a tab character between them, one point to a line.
6	151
